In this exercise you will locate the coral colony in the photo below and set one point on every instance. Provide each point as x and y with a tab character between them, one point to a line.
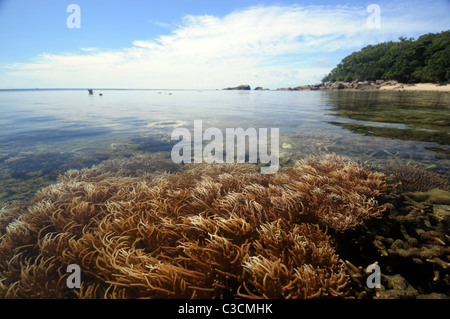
214	151
205	231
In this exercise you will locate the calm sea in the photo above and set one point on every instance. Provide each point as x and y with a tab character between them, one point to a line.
43	133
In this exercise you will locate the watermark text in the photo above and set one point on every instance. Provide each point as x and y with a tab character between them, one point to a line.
74	20
222	149
374	19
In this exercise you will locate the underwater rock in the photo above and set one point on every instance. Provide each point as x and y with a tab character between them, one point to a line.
412	241
156	142
434	196
136	166
21	176
207	231
395	287
47	163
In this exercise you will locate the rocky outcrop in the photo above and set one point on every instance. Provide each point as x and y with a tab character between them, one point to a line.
301	88
332	86
240	87
342	85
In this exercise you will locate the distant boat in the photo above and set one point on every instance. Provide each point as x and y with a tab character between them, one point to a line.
91	91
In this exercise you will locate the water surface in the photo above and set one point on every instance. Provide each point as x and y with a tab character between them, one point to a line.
43	133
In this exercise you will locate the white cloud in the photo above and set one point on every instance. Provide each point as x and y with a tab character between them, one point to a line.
215	52
89	49
160	24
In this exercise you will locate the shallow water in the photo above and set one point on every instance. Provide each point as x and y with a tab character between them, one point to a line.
43	133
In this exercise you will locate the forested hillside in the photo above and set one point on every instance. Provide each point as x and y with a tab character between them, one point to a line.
426	59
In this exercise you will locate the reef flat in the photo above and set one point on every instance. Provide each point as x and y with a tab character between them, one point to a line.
145	228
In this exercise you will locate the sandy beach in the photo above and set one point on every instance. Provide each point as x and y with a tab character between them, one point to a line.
369	86
431	87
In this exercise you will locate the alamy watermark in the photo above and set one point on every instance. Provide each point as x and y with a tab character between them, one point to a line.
374	19
222	148
74	279
74	19
374	278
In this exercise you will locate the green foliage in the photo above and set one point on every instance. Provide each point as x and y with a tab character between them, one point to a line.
426	59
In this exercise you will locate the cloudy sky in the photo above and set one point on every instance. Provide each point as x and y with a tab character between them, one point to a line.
195	44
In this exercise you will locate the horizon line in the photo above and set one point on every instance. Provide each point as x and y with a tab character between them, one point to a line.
98	89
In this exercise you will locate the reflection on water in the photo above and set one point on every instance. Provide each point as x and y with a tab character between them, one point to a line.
44	133
413	116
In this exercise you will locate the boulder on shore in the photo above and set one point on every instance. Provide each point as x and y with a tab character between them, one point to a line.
338	85
240	87
302	88
343	85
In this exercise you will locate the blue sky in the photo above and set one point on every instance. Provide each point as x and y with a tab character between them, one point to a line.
195	44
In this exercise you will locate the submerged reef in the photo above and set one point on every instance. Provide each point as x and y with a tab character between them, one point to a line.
205	231
410	243
410	178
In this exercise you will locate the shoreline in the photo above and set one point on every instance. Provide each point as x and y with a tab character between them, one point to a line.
378	85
